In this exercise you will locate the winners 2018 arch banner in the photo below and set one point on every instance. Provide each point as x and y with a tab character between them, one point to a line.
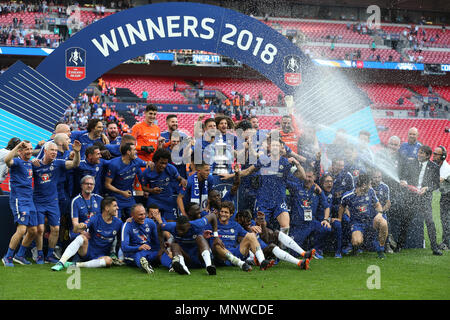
36	99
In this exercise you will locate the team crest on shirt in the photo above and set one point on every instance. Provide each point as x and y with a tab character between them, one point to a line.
51	168
114	232
367	198
95	204
232	230
147	229
97	168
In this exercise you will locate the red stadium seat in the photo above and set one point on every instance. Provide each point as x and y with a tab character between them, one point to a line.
431	131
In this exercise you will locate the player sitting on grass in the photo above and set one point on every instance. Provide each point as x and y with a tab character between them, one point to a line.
140	242
189	247
365	213
270	247
95	246
236	243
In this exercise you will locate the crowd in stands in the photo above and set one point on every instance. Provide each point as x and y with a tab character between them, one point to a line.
338	194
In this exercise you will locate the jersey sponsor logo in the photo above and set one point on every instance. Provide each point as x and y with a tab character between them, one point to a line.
362	208
45	177
75	64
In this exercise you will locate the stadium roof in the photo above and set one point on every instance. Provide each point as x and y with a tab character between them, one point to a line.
425	5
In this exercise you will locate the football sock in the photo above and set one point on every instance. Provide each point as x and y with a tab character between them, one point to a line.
283	255
96	263
259	255
251	256
10	252
50	252
40	253
166	261
183	264
72	249
285	230
206	257
234	260
289	242
22	251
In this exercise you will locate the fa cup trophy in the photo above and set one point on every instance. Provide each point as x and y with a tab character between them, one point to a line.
220	157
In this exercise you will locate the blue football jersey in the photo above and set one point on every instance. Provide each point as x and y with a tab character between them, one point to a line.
361	207
103	234
230	232
123	176
46	179
135	235
21	179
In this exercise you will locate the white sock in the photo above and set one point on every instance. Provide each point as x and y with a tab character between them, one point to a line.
259	255
72	249
96	263
285	230
234	260
289	242
206	257
183	264
283	255
251	256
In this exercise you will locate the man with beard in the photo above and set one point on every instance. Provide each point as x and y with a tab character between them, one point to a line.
112	132
94	133
408	150
172	126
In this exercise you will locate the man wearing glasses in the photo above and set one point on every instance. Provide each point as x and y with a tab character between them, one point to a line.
84	206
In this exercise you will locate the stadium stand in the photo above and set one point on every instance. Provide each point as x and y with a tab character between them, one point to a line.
386	96
160	89
431	131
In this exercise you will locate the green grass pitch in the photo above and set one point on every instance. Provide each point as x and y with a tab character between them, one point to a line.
412	274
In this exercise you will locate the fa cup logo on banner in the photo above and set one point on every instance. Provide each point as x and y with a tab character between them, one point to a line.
292	75
75	64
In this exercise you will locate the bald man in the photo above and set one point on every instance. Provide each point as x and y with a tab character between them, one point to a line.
60	128
408	150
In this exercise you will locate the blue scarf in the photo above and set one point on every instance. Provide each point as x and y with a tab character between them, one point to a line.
195	192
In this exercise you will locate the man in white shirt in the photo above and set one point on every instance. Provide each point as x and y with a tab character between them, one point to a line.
440	158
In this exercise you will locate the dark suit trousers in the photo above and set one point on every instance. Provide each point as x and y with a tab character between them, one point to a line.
445	218
417	205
